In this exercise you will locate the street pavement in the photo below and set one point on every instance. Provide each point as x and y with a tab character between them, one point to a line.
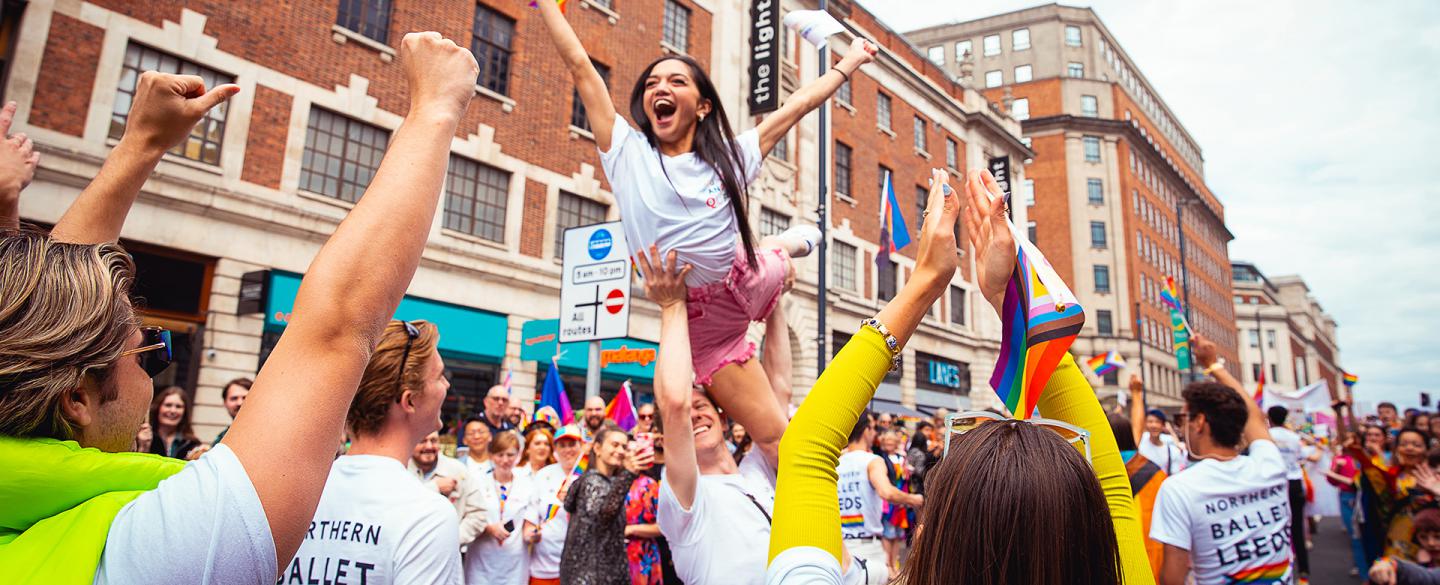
1330	560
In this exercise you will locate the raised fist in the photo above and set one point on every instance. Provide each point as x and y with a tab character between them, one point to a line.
166	107
440	73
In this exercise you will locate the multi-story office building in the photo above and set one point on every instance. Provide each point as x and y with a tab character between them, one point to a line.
1284	333
1116	190
230	220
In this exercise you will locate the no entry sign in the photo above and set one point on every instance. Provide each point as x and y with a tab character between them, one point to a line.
595	291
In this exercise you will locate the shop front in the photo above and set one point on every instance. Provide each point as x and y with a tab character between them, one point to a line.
621	359
941	383
472	341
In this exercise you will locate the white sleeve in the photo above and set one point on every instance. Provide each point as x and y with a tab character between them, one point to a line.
621	134
676	523
429	550
200	523
1170	522
1267	453
750	156
803	565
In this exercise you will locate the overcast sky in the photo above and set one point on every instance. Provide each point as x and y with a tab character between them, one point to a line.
1320	126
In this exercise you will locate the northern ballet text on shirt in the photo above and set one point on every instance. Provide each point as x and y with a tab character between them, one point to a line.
1248	520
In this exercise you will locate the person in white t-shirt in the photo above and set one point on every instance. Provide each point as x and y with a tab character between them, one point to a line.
548	512
1293	452
376	521
679	175
1159	446
477	448
499	556
1227	517
864	484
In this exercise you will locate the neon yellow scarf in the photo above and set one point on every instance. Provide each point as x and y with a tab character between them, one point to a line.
57	501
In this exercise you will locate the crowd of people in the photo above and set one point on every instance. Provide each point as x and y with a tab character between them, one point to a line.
334	471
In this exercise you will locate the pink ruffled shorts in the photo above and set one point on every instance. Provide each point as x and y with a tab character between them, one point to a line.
721	312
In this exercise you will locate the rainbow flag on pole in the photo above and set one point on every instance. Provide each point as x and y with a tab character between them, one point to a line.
1260	389
1041	318
1105	363
1170	295
1349	379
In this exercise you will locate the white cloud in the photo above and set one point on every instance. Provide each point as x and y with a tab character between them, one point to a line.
1320	130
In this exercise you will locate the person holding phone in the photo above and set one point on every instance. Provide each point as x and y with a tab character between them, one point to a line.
595	543
499	556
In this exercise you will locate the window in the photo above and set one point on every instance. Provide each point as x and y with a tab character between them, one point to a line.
962	49
1270	339
341	155
782	147
992	45
1274	372
1097	235
573	211
370	18
922	197
844	266
994	78
205	139
1030	232
1104	323
610	5
1102	278
1254	372
772	222
882	110
493	33
842	170
843	94
1023	74
578	118
676	27
838	341
1020	39
1029	192
1020	109
936	55
957	305
920	135
1089	106
475	198
1254	337
952	153
1096	191
886	280
1072	36
1073	69
1092	148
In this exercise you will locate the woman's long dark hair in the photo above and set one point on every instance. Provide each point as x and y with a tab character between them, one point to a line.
714	142
1013	503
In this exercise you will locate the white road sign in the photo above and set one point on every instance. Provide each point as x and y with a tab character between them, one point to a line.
595	291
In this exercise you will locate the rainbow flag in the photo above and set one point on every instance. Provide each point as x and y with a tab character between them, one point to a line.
1105	363
852	521
1170	295
622	408
1260	389
581	464
1041	318
1349	379
551	510
560	3
1273	573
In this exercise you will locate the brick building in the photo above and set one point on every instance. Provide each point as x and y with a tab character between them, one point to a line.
255	191
1284	332
1116	190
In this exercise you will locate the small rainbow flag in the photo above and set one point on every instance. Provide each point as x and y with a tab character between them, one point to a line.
1105	363
1260	389
560	3
581	464
852	520
1170	295
551	510
1041	318
1349	379
1263	575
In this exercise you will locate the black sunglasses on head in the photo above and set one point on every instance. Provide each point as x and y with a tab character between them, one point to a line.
411	334
155	350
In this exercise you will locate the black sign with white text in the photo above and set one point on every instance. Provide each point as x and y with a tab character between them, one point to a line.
764	56
1000	167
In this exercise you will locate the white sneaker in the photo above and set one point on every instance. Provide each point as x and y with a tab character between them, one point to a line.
801	239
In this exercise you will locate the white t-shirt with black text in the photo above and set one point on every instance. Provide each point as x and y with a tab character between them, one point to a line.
377	524
1291	450
678	204
1233	516
724	538
860	505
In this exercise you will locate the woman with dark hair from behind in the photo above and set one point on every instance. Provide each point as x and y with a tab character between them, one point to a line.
1011	502
680	174
170	430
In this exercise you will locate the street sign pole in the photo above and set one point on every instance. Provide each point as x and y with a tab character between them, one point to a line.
594	292
592	373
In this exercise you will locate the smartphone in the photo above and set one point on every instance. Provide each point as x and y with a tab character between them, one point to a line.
644	444
510	526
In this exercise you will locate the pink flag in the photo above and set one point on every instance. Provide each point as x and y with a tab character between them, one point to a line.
622	408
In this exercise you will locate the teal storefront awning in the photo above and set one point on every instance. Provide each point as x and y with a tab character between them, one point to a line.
625	358
465	333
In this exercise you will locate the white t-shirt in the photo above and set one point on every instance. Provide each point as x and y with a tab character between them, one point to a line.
499	564
860	507
804	565
1233	516
680	205
724	537
1290	450
1168	455
202	524
377	523
545	555
477	468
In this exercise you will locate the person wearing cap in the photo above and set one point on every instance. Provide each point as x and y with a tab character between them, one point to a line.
549	512
1155	442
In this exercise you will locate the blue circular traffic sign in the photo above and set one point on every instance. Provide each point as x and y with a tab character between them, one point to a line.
600	244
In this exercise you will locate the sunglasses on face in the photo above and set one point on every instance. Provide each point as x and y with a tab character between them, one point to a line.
155	350
959	424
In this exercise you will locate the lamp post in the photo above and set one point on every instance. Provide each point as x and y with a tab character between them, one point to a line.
1180	205
821	209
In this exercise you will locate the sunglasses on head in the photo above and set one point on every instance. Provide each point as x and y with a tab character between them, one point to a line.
411	334
959	424
155	350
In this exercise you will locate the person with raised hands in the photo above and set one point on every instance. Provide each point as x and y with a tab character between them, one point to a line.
18	160
75	366
1053	517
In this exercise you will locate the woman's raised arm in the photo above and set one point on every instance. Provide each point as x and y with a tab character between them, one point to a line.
599	109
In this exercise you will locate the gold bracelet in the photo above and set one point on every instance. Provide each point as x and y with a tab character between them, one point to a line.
891	342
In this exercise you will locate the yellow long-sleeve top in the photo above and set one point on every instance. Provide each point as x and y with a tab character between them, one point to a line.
805	543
